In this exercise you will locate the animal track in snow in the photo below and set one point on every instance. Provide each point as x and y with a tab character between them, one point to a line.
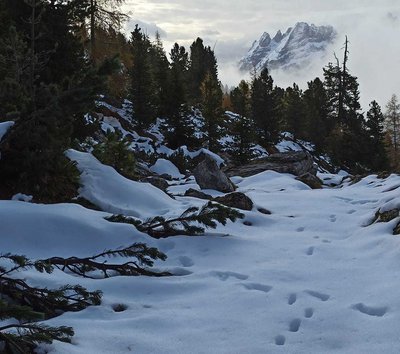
371	311
186	261
332	218
300	229
225	275
352	211
308	312
310	251
258	287
292	299
280	340
318	295
294	325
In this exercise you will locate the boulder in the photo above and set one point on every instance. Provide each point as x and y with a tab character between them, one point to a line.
297	163
197	194
209	176
235	200
264	211
158	182
310	180
386	216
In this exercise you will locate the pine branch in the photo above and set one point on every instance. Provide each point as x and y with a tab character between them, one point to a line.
144	255
192	222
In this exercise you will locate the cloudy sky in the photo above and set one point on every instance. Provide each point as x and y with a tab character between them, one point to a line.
373	27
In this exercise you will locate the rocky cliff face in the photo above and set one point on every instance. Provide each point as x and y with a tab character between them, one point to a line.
294	49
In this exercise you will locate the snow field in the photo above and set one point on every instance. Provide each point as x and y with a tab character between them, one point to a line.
309	278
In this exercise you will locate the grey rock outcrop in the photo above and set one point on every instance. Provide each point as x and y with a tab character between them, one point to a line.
236	200
197	194
158	182
209	176
310	180
297	163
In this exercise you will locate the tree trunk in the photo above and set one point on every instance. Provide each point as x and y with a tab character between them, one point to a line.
93	6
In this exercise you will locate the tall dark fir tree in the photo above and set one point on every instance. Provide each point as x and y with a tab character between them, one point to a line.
265	108
376	148
143	92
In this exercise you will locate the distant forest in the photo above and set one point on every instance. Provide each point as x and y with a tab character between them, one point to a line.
57	58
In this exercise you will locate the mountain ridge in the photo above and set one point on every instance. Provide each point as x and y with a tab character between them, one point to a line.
294	49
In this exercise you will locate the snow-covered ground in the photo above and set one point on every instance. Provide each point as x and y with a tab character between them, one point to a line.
311	277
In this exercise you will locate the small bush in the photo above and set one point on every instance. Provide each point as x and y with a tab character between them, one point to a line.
116	152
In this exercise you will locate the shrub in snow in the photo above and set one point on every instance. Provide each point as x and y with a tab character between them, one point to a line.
115	151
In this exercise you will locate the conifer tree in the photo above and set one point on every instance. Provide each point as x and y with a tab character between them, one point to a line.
293	112
377	159
316	114
264	107
102	14
344	112
212	110
143	88
392	125
202	63
46	105
242	127
160	72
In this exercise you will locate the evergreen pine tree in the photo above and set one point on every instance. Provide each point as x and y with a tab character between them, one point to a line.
212	110
377	159
46	107
316	114
293	112
348	135
202	63
264	108
143	92
160	72
242	128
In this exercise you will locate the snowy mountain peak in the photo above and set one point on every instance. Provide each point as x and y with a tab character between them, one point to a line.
278	37
296	48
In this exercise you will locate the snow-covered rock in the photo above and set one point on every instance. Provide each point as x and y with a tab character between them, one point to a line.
106	188
163	166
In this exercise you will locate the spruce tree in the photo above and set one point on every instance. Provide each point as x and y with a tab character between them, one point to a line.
212	110
377	159
160	72
348	134
264	108
242	127
143	88
47	105
316	114
293	112
202	63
